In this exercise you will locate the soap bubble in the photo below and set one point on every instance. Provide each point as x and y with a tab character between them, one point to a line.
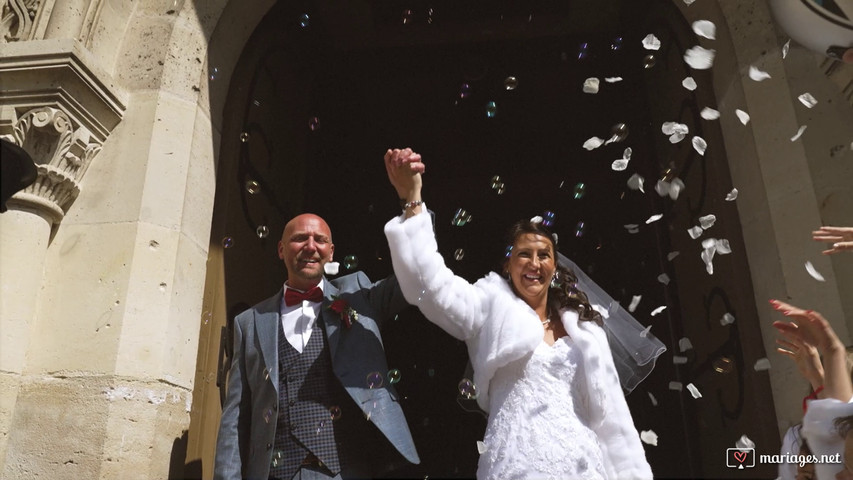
375	380
491	109
467	389
350	262
583	51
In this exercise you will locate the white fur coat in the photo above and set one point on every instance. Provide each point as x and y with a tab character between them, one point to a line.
499	327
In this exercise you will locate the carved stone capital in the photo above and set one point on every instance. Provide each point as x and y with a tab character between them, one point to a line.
62	150
61	111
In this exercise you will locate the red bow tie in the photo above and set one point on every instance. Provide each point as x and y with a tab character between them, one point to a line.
292	297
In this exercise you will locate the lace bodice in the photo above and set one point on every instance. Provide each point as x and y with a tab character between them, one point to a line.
538	426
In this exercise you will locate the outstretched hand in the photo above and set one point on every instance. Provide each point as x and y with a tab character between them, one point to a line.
805	355
404	168
809	328
841	238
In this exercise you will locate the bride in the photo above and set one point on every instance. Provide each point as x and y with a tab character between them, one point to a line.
542	363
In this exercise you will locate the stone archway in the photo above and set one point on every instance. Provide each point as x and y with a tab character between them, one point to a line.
743	151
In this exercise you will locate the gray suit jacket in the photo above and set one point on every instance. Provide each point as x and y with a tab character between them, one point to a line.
244	444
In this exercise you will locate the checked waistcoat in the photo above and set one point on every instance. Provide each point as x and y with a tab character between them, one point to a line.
310	397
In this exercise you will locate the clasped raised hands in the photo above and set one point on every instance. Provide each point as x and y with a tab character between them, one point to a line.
404	168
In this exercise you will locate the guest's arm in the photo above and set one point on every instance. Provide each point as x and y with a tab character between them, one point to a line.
810	327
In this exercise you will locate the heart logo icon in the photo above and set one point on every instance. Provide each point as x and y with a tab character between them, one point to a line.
740	456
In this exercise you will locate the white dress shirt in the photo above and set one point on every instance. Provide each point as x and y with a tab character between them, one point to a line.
298	320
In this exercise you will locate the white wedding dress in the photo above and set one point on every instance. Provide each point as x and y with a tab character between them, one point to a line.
537	429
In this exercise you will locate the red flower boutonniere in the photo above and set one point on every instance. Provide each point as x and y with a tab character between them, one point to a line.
347	313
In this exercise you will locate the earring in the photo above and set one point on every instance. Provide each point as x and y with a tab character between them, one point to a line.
555	280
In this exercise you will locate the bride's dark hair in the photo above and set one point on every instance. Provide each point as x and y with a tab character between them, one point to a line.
563	292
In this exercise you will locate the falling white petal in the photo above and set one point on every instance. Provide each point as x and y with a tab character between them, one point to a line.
633	230
743	116
704	28
590	85
723	247
331	268
762	364
799	133
699	58
613	79
653	399
709	113
671	255
785	48
708	257
727	319
675	188
699	144
676	137
536	219
649	437
688	2
626	154
709	242
707	221
481	447
635	300
758	75
744	442
619	165
662	187
654	218
689	83
694	391
684	344
657	311
695	232
808	100
636	182
814	273
663	278
651	42
592	143
668	128
675	386
731	196
679	360
645	332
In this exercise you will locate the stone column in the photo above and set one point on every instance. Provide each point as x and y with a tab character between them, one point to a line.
56	109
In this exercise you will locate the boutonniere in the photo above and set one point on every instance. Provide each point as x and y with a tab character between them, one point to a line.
342	308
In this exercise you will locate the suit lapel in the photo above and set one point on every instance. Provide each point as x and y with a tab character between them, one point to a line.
267	320
331	320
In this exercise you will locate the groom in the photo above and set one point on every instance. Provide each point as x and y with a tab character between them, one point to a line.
307	396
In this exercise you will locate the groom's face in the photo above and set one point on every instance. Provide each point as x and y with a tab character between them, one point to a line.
305	247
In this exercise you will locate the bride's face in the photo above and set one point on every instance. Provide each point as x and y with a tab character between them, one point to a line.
531	267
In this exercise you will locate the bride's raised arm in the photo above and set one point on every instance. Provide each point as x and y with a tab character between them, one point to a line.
445	299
